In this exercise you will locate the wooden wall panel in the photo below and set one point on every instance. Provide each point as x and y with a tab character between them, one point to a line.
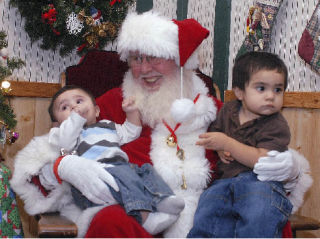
33	120
305	137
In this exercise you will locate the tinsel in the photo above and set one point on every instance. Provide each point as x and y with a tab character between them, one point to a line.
46	20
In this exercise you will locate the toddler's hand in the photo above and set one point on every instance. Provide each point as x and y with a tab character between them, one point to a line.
225	156
213	140
128	104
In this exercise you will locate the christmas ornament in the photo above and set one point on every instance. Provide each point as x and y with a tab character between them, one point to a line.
7	117
74	25
171	141
259	25
309	44
5	86
180	154
59	23
96	28
49	16
13	136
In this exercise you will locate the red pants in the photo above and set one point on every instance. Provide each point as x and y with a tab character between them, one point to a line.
113	222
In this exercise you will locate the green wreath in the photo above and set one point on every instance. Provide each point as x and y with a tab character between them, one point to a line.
70	24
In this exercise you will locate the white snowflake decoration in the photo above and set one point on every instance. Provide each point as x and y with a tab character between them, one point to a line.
74	25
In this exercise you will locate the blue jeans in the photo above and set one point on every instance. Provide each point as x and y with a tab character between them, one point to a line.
140	188
242	206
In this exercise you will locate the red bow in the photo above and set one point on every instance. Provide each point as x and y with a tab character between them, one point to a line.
113	2
50	17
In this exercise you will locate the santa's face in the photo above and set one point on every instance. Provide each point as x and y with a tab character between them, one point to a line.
154	102
150	72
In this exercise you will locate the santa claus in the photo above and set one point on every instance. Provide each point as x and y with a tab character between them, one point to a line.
175	108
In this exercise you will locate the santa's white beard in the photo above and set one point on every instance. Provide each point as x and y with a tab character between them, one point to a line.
155	106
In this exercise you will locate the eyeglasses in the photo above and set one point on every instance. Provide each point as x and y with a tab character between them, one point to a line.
136	60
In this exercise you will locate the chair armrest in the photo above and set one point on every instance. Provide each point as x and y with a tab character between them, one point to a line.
299	222
55	225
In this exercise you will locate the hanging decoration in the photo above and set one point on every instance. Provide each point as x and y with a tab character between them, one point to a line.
73	24
309	43
260	20
7	117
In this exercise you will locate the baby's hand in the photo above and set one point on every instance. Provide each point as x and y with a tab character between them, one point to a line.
128	105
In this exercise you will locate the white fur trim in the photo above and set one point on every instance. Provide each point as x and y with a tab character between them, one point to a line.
28	163
150	34
304	181
153	35
192	62
195	167
182	110
85	218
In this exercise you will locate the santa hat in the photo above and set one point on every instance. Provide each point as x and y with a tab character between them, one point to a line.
154	35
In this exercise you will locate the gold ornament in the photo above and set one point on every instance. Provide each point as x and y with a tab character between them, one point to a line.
92	40
110	28
95	31
102	33
184	183
89	21
82	15
171	141
180	154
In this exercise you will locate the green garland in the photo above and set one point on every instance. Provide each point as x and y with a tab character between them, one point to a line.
7	115
53	30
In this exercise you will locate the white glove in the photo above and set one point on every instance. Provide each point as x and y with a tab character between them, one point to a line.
88	176
282	167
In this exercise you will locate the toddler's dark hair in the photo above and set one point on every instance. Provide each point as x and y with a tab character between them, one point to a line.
62	90
252	62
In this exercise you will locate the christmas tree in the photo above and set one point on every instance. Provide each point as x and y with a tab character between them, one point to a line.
7	117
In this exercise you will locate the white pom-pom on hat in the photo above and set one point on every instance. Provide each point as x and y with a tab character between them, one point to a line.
182	110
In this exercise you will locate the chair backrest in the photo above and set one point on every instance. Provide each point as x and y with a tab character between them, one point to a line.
100	71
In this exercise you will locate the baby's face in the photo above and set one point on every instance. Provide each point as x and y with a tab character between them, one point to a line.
78	101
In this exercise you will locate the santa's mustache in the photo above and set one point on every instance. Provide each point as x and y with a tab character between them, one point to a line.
155	106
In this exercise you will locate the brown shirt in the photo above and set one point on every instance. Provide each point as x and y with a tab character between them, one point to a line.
270	132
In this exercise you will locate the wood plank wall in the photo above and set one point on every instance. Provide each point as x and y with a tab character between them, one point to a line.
30	102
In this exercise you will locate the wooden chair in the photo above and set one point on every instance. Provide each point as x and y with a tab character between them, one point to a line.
309	100
55	225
